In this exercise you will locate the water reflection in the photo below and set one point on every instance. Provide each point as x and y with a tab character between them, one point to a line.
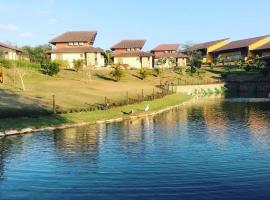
185	148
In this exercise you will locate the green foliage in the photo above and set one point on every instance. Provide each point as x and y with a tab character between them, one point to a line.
143	73
108	57
25	64
38	54
50	68
178	70
18	63
6	63
156	72
78	64
118	72
195	62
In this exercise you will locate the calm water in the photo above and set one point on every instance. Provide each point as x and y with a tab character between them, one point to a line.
213	150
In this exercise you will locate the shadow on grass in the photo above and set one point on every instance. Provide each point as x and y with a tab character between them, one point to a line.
137	76
102	76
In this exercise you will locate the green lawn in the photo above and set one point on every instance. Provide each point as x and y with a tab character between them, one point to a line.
170	100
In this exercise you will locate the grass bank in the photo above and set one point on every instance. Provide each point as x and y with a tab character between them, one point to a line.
92	117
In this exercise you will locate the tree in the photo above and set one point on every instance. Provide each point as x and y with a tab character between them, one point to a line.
78	64
38	54
108	57
195	61
118	72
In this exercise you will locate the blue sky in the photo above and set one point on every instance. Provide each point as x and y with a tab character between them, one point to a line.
34	22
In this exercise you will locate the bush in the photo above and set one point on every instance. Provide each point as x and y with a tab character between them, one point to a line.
143	73
157	71
118	72
78	64
25	64
50	68
6	63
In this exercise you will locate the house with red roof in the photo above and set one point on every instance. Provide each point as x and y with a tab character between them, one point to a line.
129	53
77	45
165	53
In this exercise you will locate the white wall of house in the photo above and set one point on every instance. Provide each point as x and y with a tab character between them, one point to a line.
134	62
182	62
93	59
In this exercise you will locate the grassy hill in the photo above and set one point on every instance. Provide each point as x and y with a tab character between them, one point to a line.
77	90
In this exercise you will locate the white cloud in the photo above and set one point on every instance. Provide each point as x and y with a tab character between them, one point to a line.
26	35
8	27
53	21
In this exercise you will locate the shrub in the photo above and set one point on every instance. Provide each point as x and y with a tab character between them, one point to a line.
118	72
50	68
78	64
6	63
157	71
25	64
143	73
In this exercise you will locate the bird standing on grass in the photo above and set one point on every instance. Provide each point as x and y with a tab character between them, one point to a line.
146	108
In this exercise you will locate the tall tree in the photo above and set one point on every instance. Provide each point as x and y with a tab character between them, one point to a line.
38	54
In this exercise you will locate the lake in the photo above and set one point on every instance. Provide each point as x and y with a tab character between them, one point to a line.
212	149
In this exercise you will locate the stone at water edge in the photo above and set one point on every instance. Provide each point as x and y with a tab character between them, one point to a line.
26	130
12	132
2	134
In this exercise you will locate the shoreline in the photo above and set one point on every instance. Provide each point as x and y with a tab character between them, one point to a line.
167	107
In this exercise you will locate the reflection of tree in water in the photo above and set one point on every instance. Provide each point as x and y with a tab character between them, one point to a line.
77	142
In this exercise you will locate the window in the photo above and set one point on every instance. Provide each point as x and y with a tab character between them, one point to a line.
70	43
81	55
76	43
81	43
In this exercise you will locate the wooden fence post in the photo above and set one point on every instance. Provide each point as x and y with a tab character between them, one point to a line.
54	105
105	101
127	97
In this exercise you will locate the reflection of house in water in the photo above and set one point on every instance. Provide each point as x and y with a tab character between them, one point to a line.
217	123
78	140
259	126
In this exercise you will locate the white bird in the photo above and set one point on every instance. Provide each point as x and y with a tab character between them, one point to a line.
146	108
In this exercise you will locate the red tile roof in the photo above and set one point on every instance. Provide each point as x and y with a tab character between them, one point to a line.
205	45
75	36
126	44
77	50
172	55
166	47
241	43
133	54
9	47
264	47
